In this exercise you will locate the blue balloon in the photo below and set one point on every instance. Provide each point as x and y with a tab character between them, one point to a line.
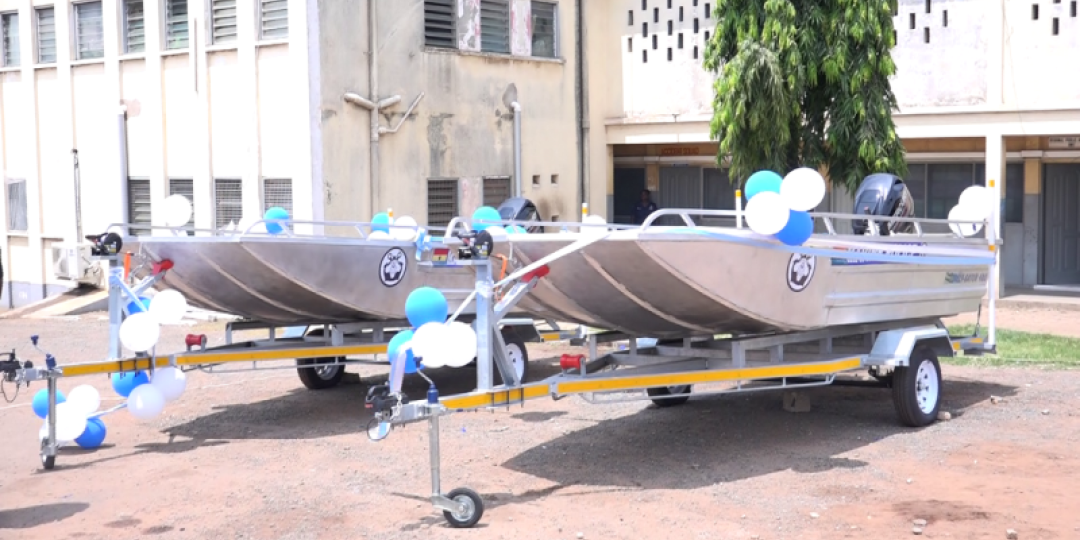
40	404
798	229
93	435
276	212
425	305
485	213
762	181
143	304
396	342
124	383
382	218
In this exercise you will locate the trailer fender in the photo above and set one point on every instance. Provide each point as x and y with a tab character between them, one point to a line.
526	332
894	347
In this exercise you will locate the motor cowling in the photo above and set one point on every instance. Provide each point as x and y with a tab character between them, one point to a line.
884	195
522	210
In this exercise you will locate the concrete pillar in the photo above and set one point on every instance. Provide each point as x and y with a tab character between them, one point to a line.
995	180
652	178
1032	217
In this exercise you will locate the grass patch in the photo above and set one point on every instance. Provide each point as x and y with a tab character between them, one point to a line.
1015	348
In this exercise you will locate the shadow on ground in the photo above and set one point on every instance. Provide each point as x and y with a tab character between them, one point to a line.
32	516
713	440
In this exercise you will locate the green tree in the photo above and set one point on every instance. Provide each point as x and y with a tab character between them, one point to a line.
805	83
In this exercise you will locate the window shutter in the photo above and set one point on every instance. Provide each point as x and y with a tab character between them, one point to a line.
495	26
46	35
89	31
439	24
176	24
139	205
9	25
496	191
228	202
274	19
134	27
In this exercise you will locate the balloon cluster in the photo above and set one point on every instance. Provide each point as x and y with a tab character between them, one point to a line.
403	228
78	419
432	340
141	330
780	207
975	204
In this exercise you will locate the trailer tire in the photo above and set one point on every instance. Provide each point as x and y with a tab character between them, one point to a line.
474	508
917	388
518	355
660	395
322	377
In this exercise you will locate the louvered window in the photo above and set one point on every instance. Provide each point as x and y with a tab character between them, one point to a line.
139	206
496	190
439	23
442	202
274	19
46	35
89	31
228	202
495	26
134	27
224	20
9	27
277	192
176	24
543	30
17	205
185	187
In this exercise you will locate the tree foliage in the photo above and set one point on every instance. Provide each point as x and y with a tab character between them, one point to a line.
805	83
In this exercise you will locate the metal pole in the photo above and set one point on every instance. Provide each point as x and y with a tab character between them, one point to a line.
51	446
485	379
78	196
125	206
116	314
433	435
992	282
373	94
517	148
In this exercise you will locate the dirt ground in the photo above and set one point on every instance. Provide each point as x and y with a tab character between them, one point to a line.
254	455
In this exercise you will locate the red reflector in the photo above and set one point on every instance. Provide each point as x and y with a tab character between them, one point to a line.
571	361
195	340
537	273
162	266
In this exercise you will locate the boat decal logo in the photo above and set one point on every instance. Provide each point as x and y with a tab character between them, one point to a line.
852	261
966	277
392	267
800	270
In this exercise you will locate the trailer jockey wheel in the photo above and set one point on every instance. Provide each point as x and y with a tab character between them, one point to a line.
917	388
473	511
668	396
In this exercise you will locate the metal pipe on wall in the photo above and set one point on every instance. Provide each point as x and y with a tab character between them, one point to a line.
373	93
121	119
517	148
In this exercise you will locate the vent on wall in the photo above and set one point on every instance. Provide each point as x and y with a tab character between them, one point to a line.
495	26
139	205
439	23
228	202
223	20
496	190
442	202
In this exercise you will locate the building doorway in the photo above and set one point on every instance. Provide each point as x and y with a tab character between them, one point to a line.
629	181
1061	224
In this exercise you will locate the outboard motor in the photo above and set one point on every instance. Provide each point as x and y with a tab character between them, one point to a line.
521	209
884	194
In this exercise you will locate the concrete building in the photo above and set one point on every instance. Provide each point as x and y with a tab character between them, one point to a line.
986	89
246	104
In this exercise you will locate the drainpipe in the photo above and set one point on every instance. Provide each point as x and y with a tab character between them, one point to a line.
121	118
373	91
517	148
582	111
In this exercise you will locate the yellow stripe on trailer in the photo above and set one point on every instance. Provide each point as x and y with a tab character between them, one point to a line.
676	379
222	357
551	336
496	398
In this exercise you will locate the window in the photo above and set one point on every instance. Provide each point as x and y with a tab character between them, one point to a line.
442	202
89	32
630	17
1034	12
554	179
185	187
536	179
134	27
139	206
46	35
1054	27
945	18
695	25
223	21
670	27
273	19
277	192
543	30
911	21
228	202
680	14
629	44
669	54
708	11
928	6
680	40
176	24
439	23
497	190
9	27
16	205
495	26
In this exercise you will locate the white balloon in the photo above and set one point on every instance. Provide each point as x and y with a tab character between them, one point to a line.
498	233
168	306
70	422
978	198
43	434
171	381
145	402
965	213
429	343
802	189
85	398
767	213
379	235
140	332
460	348
177	210
404	234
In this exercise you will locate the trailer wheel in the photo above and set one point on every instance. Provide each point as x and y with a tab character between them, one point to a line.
321	377
518	355
917	388
474	508
47	461
660	395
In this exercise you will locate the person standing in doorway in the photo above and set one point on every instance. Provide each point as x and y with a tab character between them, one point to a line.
644	207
